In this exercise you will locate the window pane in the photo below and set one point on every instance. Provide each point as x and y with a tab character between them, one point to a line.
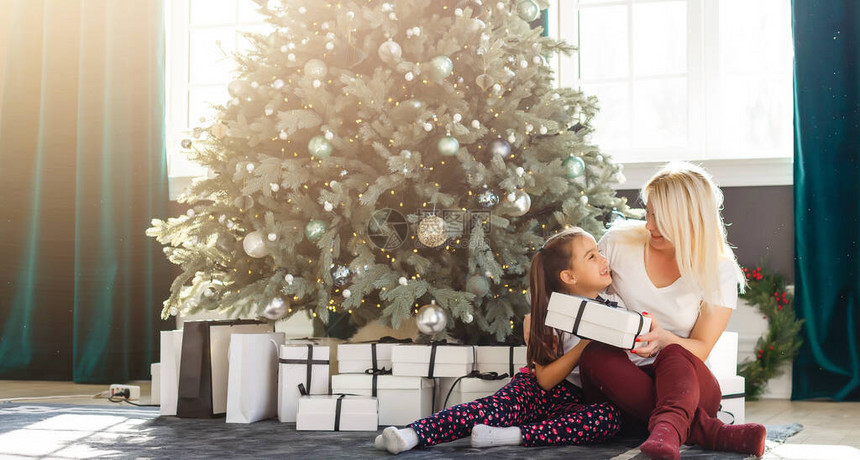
213	12
612	123
755	37
660	113
242	42
603	42
755	117
660	38
211	61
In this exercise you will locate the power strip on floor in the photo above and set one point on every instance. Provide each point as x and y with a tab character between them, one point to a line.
129	392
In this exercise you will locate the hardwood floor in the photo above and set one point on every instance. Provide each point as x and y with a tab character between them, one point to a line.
825	423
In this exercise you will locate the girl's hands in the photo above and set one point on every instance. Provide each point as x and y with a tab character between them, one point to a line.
658	338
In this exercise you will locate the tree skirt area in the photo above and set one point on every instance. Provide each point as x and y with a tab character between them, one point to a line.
65	431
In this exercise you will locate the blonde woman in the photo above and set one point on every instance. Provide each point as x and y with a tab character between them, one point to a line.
678	269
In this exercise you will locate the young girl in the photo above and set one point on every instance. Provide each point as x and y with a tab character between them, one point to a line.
541	407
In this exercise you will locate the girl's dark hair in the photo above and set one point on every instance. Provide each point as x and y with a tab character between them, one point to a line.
547	265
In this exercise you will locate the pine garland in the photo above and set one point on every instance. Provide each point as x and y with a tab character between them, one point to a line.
767	292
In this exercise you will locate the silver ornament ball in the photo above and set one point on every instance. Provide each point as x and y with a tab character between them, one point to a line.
431	319
528	10
441	67
276	309
488	199
390	52
254	245
448	146
500	148
341	275
520	203
573	166
478	285
319	147
315	229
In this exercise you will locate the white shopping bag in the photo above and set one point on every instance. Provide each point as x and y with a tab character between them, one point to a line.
168	385
252	382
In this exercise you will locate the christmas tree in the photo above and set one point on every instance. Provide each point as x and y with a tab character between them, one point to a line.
377	156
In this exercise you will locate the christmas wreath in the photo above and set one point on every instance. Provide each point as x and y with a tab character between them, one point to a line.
767	292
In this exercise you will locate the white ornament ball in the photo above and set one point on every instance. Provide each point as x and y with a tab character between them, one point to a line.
458	12
488	274
347	293
512	138
254	245
520	171
291	57
328	135
274	187
283	135
272	237
316	83
468	318
428	127
284	48
524	64
328	206
500	6
269	111
409	76
329	46
457	117
289	279
302	10
190	212
250	167
403	281
583	199
431	319
278	84
529	128
476	124
315	68
350	14
542	130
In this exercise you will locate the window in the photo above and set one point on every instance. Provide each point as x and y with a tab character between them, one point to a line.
701	80
202	35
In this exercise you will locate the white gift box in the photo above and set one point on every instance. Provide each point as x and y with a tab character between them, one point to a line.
432	360
466	390
252	382
355	358
168	382
733	400
723	359
402	400
590	319
337	413
300	363
500	359
155	384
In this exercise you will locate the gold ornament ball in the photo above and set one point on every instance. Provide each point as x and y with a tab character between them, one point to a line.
431	231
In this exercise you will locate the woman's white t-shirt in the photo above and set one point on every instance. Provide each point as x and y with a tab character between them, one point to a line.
676	306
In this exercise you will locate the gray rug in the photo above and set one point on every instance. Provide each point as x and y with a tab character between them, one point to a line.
62	431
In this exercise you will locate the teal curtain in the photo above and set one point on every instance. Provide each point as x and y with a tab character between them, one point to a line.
82	172
826	178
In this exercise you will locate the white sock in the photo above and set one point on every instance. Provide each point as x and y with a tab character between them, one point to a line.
379	443
399	440
489	436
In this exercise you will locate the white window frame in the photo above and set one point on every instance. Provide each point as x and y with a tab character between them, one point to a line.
747	170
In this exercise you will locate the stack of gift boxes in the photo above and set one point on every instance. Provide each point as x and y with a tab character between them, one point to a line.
247	372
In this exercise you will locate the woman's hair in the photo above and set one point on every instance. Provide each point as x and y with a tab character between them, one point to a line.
686	205
547	264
